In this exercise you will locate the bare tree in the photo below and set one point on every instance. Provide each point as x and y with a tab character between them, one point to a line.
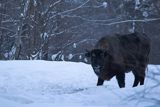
60	29
8	20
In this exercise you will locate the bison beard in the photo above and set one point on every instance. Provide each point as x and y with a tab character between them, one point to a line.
118	54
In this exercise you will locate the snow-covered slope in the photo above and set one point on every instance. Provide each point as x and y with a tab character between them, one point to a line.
68	84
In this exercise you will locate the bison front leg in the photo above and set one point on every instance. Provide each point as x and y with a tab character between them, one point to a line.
121	79
100	81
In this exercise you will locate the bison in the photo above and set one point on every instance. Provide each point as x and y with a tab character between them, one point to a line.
119	54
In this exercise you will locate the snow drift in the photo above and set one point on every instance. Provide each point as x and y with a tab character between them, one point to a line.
52	84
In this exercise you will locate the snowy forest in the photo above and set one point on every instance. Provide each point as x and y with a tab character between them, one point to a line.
42	47
64	29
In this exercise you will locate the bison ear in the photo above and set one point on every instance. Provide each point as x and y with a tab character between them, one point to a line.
88	53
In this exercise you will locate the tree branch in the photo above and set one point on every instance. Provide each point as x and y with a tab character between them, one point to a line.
126	21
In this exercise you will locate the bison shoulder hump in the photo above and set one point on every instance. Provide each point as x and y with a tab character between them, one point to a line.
104	43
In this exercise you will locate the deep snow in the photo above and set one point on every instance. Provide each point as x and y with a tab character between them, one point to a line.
69	84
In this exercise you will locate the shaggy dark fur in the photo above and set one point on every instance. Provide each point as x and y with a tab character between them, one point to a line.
118	54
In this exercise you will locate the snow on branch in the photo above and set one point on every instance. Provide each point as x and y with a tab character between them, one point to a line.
126	21
51	6
86	40
92	20
74	9
5	28
4	14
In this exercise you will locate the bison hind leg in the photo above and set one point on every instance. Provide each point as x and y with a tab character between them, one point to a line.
121	79
139	77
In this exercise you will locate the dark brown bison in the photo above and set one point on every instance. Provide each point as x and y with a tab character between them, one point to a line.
118	54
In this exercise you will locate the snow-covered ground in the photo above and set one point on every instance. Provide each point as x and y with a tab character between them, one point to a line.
68	84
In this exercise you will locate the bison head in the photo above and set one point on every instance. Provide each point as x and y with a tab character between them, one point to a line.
97	57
